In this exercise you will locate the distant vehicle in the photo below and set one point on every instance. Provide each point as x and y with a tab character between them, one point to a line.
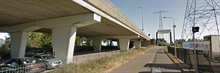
51	60
23	65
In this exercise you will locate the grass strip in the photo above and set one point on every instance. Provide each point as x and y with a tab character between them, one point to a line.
103	64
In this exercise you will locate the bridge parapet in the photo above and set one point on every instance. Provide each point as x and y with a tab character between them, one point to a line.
109	8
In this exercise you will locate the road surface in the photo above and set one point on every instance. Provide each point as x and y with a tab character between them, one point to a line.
153	61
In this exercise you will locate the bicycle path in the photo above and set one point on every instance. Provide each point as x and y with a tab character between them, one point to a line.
153	61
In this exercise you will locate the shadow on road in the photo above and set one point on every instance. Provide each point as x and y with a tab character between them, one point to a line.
164	66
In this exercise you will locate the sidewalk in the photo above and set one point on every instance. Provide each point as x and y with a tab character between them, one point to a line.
153	61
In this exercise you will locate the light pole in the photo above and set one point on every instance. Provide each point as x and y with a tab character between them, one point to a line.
174	39
142	17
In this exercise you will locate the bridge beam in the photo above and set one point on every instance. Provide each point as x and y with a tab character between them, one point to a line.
75	20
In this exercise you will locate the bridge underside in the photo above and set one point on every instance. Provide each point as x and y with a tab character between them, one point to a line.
65	19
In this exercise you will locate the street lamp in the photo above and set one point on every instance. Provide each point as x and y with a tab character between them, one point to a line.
174	26
142	17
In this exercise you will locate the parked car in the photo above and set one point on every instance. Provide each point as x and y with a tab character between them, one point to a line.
30	53
23	65
51	60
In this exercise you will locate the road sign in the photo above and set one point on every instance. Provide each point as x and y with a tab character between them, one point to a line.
205	45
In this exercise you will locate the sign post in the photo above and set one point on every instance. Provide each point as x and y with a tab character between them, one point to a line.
194	30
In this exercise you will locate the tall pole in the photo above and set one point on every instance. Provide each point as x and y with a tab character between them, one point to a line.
194	41
160	21
174	39
160	18
142	18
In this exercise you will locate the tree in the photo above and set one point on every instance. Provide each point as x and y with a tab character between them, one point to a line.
197	40
162	42
39	40
180	41
83	41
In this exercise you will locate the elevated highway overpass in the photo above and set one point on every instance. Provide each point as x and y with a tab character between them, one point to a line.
66	19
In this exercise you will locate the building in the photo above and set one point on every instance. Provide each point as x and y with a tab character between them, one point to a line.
214	46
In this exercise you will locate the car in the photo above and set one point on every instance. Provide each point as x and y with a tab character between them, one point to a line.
31	53
23	65
51	60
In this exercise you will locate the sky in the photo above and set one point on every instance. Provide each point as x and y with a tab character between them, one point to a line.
3	35
175	8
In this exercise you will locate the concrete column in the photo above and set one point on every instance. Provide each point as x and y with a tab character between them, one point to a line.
97	44
18	44
124	44
64	42
137	44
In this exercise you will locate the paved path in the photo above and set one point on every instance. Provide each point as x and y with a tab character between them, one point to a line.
153	61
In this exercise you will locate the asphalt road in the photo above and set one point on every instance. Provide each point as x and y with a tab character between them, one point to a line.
153	61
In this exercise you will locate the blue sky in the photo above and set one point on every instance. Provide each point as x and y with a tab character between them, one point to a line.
175	8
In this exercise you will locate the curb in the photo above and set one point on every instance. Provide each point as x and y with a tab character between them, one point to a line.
174	61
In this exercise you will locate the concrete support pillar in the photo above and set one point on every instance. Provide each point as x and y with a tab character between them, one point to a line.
124	44
18	44
137	44
97	44
64	42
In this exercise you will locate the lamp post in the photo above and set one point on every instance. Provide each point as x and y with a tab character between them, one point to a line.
174	41
142	17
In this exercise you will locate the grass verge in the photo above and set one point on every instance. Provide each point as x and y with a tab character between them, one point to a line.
103	64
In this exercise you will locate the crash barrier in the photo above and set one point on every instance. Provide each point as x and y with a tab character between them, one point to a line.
22	69
207	62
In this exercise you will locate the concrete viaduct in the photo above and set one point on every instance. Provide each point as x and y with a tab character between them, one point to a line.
66	19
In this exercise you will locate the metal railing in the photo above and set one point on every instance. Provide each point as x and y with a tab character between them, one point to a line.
18	69
21	69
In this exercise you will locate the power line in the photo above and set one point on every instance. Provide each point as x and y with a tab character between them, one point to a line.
160	18
202	13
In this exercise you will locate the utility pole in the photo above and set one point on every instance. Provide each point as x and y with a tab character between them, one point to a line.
160	18
142	18
174	39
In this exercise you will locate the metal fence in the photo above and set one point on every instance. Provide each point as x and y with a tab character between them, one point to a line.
20	69
206	62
